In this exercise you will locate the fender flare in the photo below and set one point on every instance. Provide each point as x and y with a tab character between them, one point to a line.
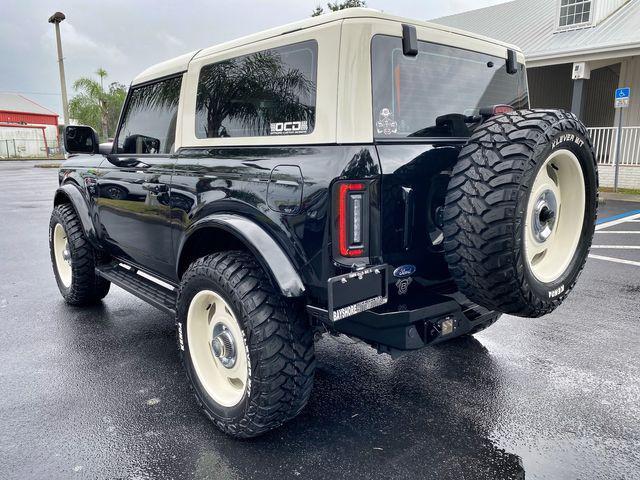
74	196
270	255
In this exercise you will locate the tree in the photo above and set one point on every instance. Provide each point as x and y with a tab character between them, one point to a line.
95	106
335	6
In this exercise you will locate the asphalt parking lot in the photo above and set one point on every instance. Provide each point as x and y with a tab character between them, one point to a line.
99	393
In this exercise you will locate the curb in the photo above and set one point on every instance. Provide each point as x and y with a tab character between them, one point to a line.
623	197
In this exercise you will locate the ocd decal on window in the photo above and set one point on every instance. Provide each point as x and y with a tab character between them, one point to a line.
288	128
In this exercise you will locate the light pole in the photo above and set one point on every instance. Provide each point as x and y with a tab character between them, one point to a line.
56	18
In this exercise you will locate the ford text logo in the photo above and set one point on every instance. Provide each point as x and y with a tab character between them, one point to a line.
404	271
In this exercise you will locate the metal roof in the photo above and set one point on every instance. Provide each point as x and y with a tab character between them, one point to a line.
14	102
531	24
181	63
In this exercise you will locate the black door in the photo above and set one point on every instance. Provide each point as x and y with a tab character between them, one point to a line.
133	186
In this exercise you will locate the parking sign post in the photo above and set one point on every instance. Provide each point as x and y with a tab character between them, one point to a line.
621	101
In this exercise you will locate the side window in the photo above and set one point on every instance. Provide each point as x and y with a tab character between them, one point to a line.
149	122
272	92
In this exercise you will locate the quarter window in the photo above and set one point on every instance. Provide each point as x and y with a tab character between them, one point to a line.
149	121
272	92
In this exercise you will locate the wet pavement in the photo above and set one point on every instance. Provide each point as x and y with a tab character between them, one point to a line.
99	393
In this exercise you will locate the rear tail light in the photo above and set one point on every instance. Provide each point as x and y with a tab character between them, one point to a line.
351	221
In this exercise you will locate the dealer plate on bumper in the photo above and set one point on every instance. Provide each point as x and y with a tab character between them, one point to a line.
357	291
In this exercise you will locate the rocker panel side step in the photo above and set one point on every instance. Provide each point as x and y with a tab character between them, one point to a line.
143	288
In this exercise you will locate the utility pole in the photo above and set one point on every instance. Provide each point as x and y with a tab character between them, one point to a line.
56	18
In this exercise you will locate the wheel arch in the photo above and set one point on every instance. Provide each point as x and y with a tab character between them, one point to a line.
219	232
69	193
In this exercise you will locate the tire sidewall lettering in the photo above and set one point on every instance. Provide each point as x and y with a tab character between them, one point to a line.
575	142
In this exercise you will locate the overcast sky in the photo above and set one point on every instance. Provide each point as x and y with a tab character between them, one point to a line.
126	36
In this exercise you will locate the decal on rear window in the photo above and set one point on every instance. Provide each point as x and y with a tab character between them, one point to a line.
386	124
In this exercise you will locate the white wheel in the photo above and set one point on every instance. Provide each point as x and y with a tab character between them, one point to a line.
555	214
520	211
217	348
62	255
247	351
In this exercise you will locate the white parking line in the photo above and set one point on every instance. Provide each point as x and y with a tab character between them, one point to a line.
630	218
599	229
615	260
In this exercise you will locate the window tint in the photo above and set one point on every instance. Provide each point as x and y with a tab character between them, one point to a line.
149	122
272	92
439	92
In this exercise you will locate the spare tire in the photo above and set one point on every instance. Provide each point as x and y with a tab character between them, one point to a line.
520	211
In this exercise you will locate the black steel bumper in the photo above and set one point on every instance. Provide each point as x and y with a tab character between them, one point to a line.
412	322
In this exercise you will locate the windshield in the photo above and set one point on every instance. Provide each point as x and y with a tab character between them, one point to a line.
439	92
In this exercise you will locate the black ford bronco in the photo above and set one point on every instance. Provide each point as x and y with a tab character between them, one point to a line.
354	173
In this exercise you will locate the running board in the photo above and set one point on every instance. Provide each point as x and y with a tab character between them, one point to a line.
128	279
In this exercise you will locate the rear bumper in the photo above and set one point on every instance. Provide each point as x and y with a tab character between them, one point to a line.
412	322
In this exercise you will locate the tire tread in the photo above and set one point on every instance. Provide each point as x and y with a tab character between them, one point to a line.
484	208
279	338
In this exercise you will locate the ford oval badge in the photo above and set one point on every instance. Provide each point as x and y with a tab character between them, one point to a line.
404	271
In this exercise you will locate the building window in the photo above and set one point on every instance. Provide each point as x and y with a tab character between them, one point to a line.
574	13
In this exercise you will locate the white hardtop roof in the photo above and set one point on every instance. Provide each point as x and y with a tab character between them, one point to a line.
180	64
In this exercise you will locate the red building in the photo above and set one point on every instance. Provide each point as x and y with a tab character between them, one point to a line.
27	129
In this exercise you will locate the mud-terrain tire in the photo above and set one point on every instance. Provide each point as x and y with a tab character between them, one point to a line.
520	211
261	374
76	276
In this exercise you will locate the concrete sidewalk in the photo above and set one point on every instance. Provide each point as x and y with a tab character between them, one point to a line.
619	197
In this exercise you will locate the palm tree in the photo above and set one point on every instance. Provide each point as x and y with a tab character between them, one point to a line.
101	72
91	104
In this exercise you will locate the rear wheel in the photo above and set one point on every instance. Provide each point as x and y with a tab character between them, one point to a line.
520	211
74	259
247	350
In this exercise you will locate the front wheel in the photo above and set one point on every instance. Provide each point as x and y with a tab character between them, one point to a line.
248	352
74	259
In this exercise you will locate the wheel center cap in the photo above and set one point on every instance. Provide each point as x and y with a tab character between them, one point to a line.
223	345
66	255
544	216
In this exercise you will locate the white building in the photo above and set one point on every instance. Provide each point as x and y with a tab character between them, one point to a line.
577	52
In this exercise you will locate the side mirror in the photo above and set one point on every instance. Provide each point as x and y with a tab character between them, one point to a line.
80	139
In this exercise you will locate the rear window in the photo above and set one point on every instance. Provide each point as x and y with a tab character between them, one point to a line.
272	92
439	92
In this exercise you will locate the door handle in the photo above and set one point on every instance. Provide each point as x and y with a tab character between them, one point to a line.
156	188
